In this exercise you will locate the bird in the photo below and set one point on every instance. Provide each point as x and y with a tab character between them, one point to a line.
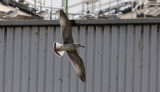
115	16
69	46
43	13
11	13
89	17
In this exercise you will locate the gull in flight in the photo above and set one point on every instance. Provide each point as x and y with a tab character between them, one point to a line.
43	13
69	46
11	13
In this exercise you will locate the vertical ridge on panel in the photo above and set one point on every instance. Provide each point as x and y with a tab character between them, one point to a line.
158	59
106	56
50	59
138	55
58	67
82	41
2	39
122	48
114	57
130	61
98	60
34	59
9	59
74	77
153	59
90	60
145	60
41	59
86	55
25	59
17	60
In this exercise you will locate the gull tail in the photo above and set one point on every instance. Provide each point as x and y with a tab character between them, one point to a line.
3	15
58	53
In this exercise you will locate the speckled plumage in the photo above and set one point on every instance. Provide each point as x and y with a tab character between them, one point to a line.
66	33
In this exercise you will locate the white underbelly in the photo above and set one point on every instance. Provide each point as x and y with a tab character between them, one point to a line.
66	47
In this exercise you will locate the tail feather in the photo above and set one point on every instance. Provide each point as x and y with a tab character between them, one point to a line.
3	15
58	53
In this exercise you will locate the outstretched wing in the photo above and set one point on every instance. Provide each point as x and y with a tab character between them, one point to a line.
77	63
66	28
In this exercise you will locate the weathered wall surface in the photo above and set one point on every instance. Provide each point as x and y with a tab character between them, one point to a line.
122	57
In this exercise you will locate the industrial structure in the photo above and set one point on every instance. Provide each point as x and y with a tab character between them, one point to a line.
27	11
130	9
90	9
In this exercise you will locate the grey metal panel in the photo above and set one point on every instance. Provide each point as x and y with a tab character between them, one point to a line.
158	62
106	59
2	44
118	58
98	60
153	60
9	59
114	60
25	60
50	60
145	58
137	60
121	67
33	81
42	59
129	59
17	59
90	60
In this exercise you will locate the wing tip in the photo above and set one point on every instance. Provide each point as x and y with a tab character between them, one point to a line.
83	78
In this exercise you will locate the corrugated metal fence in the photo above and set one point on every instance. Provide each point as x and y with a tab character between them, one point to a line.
122	57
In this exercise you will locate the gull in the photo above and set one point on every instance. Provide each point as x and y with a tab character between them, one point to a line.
11	13
69	46
89	17
43	13
115	16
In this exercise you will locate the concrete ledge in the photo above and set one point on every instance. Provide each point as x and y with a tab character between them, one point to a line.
80	22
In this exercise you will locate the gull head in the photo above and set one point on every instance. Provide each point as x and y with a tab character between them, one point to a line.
78	45
119	14
47	10
16	8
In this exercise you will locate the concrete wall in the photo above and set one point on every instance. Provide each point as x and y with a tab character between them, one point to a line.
119	56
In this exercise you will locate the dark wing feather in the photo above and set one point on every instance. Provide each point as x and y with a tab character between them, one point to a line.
66	28
8	13
40	12
77	63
